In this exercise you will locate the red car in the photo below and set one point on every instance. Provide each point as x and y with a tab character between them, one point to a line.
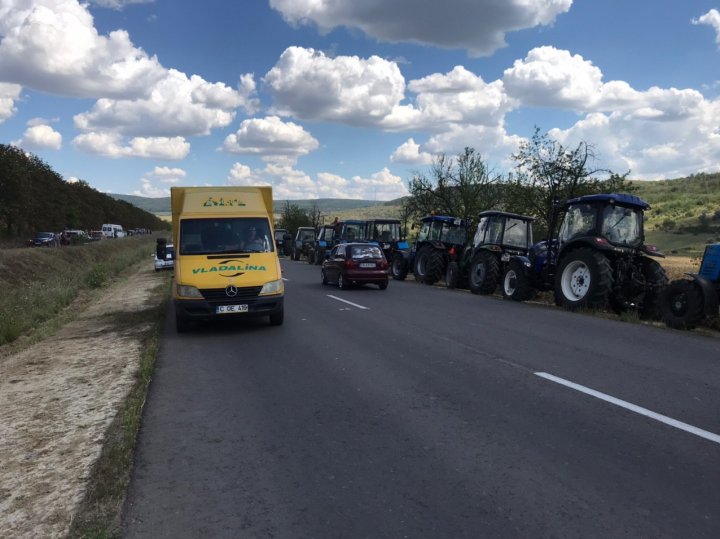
355	263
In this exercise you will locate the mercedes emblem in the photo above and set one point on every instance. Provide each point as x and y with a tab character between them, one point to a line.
231	291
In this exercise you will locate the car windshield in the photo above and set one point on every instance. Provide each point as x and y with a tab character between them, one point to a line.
225	235
365	251
621	225
45	235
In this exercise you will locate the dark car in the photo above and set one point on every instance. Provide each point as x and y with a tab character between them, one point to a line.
355	263
44	239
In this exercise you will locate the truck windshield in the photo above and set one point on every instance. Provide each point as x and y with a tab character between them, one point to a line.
225	235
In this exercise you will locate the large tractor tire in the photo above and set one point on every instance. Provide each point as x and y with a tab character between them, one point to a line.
655	280
436	267
515	284
452	275
422	260
484	273
584	280
399	267
682	304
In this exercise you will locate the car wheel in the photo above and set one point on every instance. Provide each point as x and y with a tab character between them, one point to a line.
383	285
323	277
342	282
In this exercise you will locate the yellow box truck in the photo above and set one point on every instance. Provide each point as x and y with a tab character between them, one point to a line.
226	262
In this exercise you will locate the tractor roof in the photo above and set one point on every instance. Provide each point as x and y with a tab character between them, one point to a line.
613	198
383	220
443	219
505	214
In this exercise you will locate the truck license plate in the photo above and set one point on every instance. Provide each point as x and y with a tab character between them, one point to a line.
223	309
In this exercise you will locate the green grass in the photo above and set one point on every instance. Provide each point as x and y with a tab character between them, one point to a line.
39	283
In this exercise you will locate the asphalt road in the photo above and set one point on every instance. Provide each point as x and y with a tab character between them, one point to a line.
424	412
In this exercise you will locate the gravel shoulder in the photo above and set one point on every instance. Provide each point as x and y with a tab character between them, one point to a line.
57	400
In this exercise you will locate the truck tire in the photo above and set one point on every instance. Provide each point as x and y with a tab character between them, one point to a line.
422	260
515	284
436	267
276	319
655	280
484	273
583	280
682	304
182	325
452	275
399	267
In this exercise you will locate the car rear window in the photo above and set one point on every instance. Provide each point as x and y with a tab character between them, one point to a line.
365	251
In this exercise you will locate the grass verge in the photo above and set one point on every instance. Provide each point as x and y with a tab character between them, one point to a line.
99	515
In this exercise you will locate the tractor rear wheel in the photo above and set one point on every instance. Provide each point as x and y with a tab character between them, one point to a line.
452	275
435	268
515	284
682	304
584	280
484	273
399	268
655	280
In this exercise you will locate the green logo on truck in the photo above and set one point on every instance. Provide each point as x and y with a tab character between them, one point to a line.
222	201
238	268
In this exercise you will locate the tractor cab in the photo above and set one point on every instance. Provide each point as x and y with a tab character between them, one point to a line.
388	236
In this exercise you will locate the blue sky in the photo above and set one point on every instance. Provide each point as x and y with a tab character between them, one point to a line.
347	99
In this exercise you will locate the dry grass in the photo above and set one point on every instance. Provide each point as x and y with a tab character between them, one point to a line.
677	266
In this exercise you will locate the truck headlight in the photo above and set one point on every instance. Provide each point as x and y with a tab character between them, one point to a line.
273	287
185	291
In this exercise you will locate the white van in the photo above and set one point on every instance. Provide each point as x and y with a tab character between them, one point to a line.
113	231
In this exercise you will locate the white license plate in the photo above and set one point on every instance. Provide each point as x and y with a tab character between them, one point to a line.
223	309
367	264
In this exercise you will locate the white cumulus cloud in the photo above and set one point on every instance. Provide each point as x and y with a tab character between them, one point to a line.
113	146
270	138
38	137
478	26
9	93
711	18
409	153
166	174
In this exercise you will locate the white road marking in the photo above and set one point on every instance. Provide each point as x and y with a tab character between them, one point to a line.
284	279
348	302
633	408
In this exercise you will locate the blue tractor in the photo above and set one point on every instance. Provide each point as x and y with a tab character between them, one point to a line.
685	303
599	259
388	235
441	239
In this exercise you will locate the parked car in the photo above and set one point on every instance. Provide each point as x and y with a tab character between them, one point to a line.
113	231
355	263
96	235
164	255
44	239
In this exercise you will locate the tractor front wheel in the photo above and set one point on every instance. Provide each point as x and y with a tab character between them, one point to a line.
682	304
484	273
584	280
399	268
422	260
435	268
452	275
515	284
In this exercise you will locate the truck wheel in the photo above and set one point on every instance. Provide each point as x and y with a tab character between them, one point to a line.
584	280
452	275
682	304
276	319
422	259
515	284
435	268
399	267
655	280
484	273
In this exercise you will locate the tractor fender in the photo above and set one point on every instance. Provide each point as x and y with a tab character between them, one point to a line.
522	262
437	244
709	292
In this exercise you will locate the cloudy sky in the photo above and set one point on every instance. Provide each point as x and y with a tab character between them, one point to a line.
348	98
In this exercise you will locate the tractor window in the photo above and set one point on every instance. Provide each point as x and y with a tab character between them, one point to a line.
424	231
495	230
385	232
621	225
481	230
579	221
436	229
516	233
352	232
453	234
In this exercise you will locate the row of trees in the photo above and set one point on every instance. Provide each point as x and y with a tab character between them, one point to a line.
545	172
33	197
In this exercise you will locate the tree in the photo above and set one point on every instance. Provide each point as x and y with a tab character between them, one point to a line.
548	173
314	215
293	217
461	187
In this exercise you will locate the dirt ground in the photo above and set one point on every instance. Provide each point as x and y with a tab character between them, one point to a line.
57	399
